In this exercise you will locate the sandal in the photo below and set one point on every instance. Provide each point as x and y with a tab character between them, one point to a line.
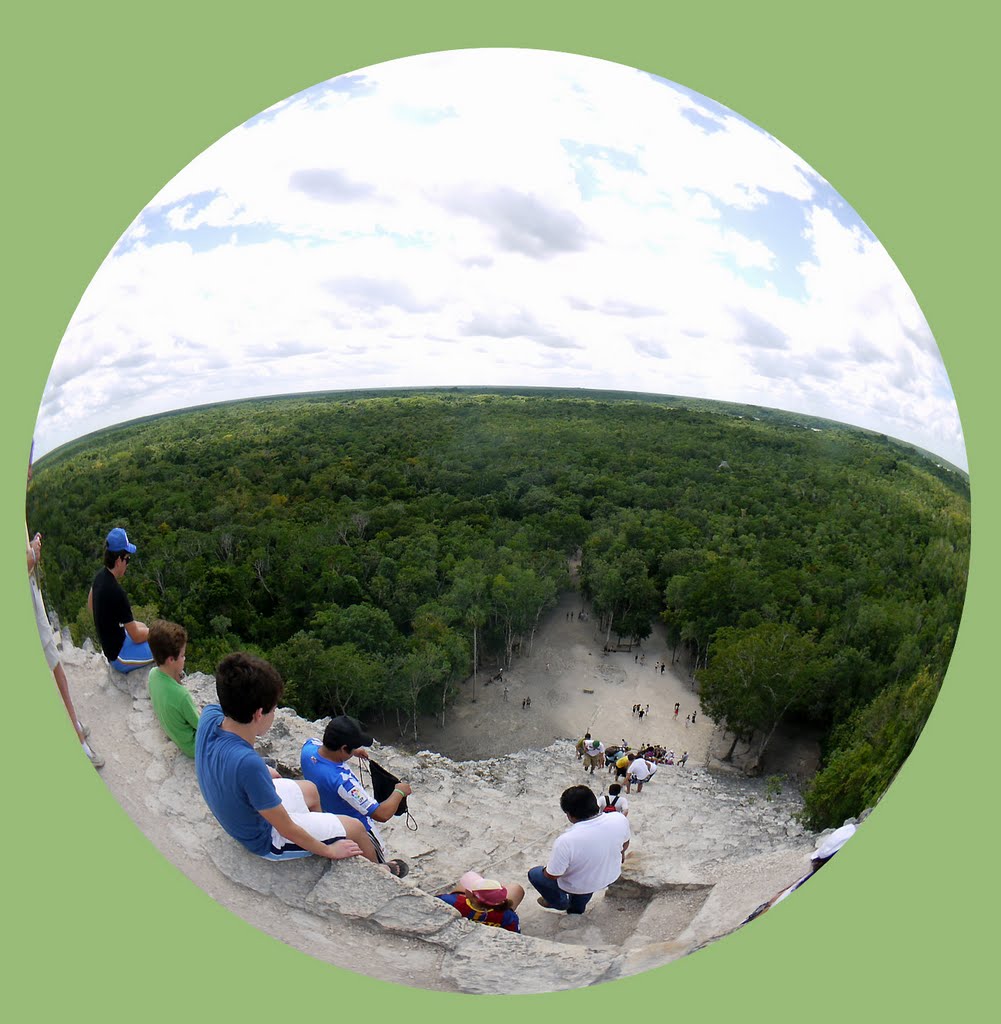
398	868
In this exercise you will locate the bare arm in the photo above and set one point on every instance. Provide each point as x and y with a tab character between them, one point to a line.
34	552
279	818
138	631
388	808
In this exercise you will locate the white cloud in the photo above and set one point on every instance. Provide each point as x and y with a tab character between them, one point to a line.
508	217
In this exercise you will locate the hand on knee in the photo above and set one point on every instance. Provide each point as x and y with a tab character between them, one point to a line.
356	832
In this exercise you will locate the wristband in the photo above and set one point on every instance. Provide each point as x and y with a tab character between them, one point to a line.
400	791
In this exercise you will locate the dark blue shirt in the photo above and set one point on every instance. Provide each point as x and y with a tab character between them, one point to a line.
235	782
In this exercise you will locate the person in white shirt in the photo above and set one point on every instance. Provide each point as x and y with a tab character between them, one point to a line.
594	755
613	800
641	770
586	858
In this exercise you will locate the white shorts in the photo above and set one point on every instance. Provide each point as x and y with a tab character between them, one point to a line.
328	828
45	632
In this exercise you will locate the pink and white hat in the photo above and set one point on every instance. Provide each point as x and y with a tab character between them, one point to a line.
488	891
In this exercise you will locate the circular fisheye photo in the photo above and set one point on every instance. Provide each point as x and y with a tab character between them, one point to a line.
498	521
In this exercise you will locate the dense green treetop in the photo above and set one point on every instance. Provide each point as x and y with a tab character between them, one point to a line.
376	546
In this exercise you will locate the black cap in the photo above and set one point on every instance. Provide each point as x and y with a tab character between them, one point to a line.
345	731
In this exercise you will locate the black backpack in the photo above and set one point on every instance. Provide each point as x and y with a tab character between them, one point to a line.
610	806
383	784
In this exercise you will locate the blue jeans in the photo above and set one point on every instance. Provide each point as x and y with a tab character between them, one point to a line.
550	891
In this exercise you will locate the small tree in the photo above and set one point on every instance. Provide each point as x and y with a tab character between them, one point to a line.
756	675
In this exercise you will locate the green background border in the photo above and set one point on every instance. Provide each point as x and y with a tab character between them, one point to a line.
896	107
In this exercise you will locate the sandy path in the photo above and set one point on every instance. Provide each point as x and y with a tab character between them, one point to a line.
565	663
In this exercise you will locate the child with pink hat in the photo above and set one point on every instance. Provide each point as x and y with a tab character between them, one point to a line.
486	901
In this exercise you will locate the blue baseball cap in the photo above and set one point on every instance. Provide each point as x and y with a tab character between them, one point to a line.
118	540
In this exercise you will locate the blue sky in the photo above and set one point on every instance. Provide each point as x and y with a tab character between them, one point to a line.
501	217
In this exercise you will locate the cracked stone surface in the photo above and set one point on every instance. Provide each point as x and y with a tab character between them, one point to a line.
707	849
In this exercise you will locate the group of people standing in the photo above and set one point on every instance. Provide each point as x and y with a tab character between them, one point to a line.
636	766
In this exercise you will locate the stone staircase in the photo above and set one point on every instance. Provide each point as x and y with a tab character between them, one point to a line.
706	850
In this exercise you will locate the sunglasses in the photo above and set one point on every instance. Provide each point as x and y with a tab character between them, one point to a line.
128	558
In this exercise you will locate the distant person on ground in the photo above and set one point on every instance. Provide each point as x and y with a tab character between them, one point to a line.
594	755
640	771
325	764
585	858
122	638
683	759
172	703
274	818
613	800
486	901
51	651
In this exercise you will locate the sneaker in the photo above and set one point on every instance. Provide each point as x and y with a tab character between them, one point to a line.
546	906
95	758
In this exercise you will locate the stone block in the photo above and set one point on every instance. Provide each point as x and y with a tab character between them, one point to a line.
414	913
291	882
490	961
644	877
354	888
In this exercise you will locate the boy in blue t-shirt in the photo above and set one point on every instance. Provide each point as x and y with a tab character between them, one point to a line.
275	818
325	765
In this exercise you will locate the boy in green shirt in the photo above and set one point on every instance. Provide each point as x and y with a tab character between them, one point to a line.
172	704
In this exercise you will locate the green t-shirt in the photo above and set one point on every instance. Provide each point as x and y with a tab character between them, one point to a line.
175	710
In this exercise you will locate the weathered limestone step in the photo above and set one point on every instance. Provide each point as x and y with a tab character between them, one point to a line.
705	852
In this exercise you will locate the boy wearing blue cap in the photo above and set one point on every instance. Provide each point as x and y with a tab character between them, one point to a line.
123	639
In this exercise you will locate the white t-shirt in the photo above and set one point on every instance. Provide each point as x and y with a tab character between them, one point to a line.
641	769
621	803
588	856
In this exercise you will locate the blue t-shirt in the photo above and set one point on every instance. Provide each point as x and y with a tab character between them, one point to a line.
340	790
235	782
